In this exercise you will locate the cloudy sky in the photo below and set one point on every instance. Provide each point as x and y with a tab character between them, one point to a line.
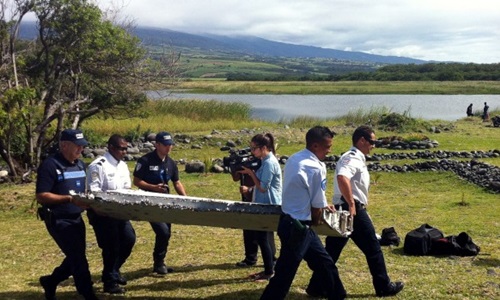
442	30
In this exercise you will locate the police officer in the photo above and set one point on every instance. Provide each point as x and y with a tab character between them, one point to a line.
351	184
57	176
115	237
303	202
153	172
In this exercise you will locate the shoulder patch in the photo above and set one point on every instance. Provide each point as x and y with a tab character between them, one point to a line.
323	184
94	175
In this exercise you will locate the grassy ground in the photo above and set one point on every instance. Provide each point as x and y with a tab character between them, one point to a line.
343	87
204	257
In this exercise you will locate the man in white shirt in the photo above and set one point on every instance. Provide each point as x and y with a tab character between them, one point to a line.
351	184
303	202
115	237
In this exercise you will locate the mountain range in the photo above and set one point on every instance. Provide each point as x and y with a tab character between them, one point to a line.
245	45
250	45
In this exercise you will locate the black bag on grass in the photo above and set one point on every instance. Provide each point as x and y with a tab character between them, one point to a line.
419	241
389	237
460	245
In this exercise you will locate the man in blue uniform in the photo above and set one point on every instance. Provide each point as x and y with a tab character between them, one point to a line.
115	237
57	176
303	203
153	172
351	184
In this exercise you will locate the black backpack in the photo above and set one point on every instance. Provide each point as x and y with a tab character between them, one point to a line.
420	241
459	245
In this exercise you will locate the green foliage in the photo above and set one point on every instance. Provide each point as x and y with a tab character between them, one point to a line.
415	137
16	113
79	66
133	134
363	116
400	122
201	110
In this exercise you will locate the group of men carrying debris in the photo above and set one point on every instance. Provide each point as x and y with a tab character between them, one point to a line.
303	201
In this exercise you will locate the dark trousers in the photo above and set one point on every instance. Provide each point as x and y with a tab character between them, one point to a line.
262	239
296	245
252	247
162	233
69	234
364	237
116	238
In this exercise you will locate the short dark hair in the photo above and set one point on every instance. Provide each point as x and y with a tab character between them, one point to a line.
318	134
115	140
362	131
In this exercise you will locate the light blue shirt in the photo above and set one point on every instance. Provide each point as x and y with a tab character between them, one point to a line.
304	185
269	175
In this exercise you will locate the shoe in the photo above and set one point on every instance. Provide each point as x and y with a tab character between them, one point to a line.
90	296
121	280
316	294
162	269
261	277
49	287
113	288
245	263
392	289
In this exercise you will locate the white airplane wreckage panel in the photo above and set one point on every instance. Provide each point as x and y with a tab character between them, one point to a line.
156	207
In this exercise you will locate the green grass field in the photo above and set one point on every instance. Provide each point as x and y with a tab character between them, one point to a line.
204	257
343	87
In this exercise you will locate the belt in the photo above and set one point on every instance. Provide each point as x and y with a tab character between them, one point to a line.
303	222
356	203
67	216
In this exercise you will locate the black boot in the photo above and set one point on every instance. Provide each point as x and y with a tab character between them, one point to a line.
49	287
161	268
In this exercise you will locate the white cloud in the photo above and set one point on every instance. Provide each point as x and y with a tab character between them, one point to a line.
441	30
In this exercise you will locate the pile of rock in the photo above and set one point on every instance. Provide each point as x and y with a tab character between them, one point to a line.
482	174
398	144
440	154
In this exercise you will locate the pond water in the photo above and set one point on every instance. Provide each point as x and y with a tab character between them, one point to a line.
282	107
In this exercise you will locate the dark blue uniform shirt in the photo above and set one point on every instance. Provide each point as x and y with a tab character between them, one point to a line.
151	169
59	176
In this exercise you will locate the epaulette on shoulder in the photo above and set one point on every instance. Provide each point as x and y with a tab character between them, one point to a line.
101	161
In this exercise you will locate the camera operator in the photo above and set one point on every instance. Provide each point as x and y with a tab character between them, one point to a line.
266	190
250	245
234	163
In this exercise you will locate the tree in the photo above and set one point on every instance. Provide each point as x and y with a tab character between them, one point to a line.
81	64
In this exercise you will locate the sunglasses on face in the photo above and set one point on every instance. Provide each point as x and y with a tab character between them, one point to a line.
369	140
120	148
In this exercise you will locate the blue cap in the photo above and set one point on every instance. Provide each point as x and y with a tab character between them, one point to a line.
165	138
75	136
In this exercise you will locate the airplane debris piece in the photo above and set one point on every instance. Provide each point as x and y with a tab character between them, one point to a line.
156	207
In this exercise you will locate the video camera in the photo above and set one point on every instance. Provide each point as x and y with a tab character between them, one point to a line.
238	159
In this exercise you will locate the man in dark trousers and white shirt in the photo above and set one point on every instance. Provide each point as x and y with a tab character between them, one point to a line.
351	184
115	237
153	172
303	203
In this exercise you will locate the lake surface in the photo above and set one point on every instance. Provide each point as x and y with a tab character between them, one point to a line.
280	107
